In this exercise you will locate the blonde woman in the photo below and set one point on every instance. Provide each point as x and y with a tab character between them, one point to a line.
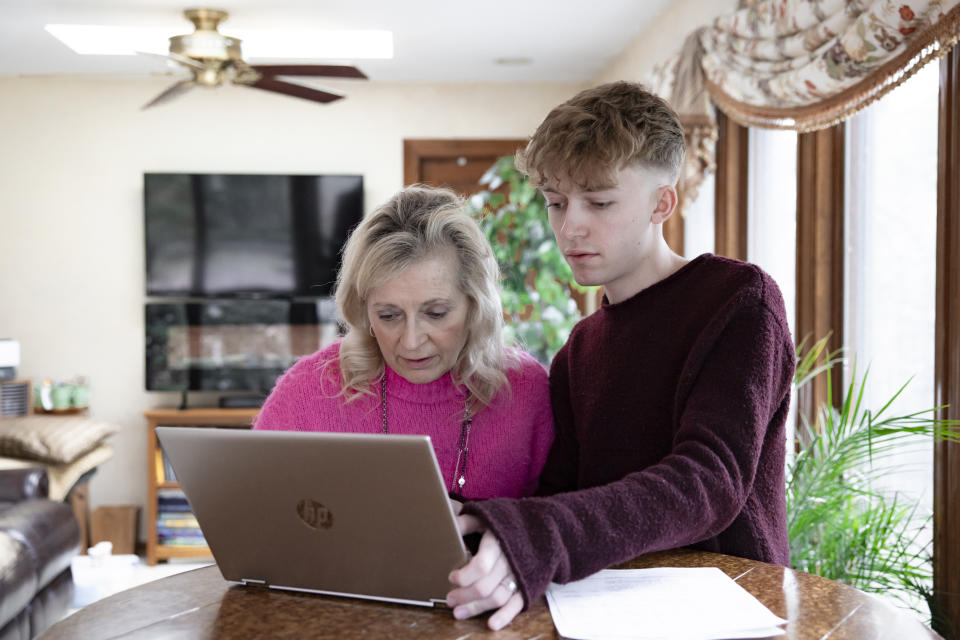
424	352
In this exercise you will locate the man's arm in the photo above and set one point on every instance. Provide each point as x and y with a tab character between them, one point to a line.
694	493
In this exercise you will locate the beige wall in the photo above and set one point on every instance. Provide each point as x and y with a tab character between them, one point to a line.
71	219
662	37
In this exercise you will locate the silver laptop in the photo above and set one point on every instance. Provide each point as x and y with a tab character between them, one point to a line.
341	514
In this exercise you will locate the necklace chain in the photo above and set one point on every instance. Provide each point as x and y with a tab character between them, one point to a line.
456	484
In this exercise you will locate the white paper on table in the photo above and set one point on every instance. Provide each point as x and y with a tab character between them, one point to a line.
700	603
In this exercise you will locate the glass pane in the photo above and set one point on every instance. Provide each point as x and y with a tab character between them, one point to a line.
772	210
891	263
772	224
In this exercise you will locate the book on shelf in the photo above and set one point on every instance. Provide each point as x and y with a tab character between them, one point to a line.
183	541
173	511
177	520
172	500
179	532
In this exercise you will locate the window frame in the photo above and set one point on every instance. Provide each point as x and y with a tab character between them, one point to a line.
820	285
946	456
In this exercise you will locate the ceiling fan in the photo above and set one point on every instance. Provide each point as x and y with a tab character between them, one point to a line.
213	58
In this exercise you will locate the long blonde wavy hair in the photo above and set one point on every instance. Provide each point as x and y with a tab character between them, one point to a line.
413	224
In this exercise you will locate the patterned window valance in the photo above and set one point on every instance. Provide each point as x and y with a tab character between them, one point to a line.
681	81
796	64
806	65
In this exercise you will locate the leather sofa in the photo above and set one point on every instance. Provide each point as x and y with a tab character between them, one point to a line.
38	539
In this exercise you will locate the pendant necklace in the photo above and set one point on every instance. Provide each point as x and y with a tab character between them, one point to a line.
456	484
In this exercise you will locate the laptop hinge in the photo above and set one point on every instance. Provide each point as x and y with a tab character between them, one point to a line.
251	582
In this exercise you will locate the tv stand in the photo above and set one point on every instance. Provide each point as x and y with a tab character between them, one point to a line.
241	402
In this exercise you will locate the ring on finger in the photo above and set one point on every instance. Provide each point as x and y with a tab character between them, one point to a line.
510	585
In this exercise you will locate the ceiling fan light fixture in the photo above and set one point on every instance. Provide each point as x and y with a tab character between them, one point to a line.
206	45
213	58
205	19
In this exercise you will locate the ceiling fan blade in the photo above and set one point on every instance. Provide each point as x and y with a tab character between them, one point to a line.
288	88
170	93
176	57
327	70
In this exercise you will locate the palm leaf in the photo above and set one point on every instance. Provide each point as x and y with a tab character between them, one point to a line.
840	526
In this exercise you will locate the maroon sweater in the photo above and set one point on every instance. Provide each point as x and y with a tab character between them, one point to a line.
669	409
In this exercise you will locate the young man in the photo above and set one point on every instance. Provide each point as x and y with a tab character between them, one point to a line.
669	401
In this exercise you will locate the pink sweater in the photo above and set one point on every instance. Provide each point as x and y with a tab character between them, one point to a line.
509	439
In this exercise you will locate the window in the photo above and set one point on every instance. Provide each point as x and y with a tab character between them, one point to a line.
772	211
890	261
772	225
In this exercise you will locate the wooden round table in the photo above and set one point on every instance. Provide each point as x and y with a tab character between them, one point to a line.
201	604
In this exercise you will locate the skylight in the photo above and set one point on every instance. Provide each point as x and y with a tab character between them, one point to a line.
309	44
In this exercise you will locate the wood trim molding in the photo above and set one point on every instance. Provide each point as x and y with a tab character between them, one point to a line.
820	232
946	464
730	208
414	150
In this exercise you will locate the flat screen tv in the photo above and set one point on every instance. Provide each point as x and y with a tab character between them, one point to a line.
246	235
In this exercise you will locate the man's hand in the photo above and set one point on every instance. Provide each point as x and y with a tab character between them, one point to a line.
486	582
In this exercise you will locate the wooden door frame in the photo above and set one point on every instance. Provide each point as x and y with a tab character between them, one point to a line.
416	149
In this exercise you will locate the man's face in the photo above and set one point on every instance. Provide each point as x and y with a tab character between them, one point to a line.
608	234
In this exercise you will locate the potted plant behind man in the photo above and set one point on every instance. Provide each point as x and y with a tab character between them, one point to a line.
841	525
538	286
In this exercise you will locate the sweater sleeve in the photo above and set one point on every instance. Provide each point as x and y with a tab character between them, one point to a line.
693	493
560	471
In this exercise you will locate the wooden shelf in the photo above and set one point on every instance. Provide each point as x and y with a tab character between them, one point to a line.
206	417
156	480
68	411
167	551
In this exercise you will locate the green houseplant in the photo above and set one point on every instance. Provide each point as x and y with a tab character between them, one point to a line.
537	282
840	525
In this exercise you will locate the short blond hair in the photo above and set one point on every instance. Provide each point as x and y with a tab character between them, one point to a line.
602	130
413	224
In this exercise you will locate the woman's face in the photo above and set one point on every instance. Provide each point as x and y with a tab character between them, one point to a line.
419	318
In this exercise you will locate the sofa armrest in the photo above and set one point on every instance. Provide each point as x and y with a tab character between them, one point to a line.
22	484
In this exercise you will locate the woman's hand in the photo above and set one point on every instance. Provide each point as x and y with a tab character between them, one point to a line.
486	582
